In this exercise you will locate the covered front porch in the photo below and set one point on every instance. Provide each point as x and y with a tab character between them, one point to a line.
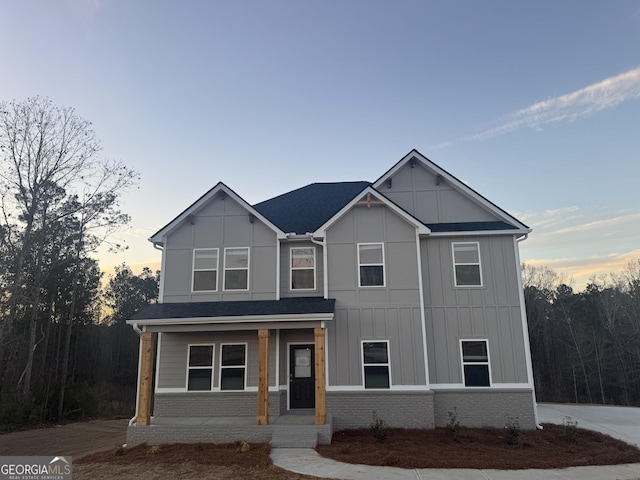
278	390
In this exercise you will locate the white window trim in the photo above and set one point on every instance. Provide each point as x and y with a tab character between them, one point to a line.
213	356
247	268
479	264
220	367
388	364
194	269
487	363
291	269
384	270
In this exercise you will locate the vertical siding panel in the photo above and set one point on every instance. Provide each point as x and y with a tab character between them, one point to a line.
479	324
493	335
466	330
507	352
366	324
379	321
353	364
453	336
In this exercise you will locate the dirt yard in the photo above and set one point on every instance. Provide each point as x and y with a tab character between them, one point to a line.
77	439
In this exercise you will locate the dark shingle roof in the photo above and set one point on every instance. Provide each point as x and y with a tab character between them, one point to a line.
305	209
285	306
470	226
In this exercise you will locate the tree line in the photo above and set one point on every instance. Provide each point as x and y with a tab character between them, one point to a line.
59	202
585	346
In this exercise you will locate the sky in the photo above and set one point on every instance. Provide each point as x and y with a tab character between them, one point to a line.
535	105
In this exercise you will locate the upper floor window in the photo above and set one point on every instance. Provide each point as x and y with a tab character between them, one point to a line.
375	363
475	363
232	367
466	264
205	269
200	367
303	268
371	265
236	268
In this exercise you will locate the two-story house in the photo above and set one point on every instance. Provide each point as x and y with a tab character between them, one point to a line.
332	301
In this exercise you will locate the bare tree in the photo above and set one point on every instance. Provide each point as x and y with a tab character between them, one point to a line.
50	172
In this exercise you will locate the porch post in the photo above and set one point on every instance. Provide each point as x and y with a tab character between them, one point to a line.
321	415
263	377
147	340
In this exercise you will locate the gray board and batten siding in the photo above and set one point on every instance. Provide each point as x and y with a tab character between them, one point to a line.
220	223
390	312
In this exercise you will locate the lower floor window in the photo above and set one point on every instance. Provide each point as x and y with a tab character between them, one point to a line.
376	364
200	368
233	367
475	363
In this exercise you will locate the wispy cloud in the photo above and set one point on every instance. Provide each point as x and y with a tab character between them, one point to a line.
585	102
598	224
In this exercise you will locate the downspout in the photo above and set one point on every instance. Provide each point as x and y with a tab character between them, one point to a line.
135	415
325	275
525	331
159	246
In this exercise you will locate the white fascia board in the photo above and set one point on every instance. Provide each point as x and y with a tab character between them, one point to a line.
455	183
235	319
422	228
159	237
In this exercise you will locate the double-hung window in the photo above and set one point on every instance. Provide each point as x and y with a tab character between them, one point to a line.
371	265
303	268
466	264
475	363
205	269
200	367
233	363
375	362
236	268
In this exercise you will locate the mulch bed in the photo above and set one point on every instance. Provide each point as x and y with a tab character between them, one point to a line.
485	448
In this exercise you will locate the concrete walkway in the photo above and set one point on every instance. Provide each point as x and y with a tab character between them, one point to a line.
619	422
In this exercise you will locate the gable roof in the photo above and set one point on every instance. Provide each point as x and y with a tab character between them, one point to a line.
158	237
370	192
305	209
313	208
508	222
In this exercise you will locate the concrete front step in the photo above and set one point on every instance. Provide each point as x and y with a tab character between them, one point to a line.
298	438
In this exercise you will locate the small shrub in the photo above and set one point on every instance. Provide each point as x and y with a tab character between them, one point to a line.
153	450
570	428
243	447
378	427
453	425
511	431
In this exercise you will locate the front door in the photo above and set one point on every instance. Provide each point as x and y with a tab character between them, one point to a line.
301	377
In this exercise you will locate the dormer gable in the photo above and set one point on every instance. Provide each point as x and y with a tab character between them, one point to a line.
371	198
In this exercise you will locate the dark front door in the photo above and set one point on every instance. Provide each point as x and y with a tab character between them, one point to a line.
301	377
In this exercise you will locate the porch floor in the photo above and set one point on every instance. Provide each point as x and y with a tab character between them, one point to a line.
295	429
297	418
